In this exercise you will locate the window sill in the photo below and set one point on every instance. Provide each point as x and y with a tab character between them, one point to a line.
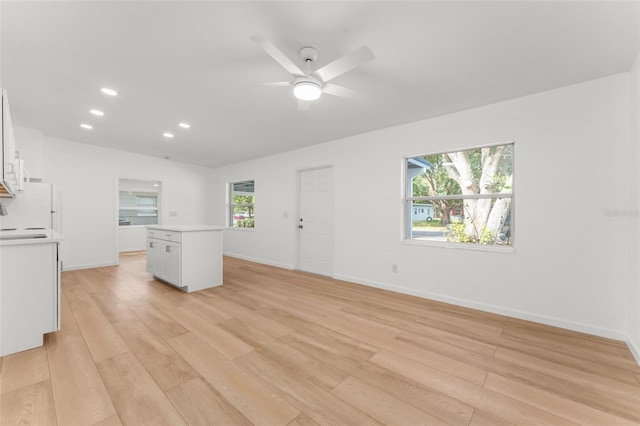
461	246
230	228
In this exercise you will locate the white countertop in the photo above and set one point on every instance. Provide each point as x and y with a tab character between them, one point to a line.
186	228
51	237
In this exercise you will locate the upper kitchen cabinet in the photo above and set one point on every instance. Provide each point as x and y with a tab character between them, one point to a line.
8	171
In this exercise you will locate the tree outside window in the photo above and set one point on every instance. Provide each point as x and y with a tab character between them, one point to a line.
471	194
241	204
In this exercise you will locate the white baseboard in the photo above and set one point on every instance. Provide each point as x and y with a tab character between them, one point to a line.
262	261
556	322
65	267
635	349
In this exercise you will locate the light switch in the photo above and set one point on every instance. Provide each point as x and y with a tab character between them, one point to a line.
173	214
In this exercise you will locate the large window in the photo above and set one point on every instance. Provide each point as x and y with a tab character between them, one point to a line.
138	202
461	197
241	209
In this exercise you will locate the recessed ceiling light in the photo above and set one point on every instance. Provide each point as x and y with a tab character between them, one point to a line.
96	112
108	91
86	126
184	125
167	135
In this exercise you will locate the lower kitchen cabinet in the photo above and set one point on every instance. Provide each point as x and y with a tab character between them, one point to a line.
188	257
29	295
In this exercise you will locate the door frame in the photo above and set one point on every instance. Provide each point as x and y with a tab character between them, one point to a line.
299	210
116	210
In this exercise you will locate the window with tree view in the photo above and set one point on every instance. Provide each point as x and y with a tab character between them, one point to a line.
463	197
241	204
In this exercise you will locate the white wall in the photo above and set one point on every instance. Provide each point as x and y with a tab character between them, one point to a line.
132	238
633	298
88	179
570	266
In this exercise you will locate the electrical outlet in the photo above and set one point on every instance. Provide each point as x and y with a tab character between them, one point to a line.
394	268
173	214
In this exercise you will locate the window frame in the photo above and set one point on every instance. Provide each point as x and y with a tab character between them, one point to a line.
230	205
139	208
408	199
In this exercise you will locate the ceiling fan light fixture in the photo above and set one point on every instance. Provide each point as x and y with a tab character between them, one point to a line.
307	90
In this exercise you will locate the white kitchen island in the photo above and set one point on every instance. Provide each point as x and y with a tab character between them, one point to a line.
186	256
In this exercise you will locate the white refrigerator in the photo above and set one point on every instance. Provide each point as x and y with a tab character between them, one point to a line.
38	207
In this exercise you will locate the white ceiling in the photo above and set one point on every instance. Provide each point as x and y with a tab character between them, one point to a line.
194	61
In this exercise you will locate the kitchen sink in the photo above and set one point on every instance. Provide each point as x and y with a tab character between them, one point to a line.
22	236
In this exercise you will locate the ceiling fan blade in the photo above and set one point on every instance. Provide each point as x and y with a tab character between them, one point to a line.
303	105
277	83
343	92
277	54
346	63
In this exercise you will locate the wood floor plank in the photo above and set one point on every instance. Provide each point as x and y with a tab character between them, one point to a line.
318	403
201	404
430	336
137	397
577	339
113	307
261	322
102	339
560	350
460	369
247	394
202	308
362	329
160	322
222	341
492	402
23	369
482	418
561	407
166	367
343	356
604	384
77	297
582	393
79	393
382	406
303	420
306	366
110	421
28	405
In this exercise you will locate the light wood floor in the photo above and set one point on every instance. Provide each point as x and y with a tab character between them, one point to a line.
275	347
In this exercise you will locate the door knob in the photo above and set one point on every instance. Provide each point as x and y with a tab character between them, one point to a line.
300	226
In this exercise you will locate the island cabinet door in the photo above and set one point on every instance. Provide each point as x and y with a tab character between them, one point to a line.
154	253
171	263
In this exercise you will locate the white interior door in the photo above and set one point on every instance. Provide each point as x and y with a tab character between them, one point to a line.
316	221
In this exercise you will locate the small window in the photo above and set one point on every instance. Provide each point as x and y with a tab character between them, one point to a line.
469	195
138	202
241	209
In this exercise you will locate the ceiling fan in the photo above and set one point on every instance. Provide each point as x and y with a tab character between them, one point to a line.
308	85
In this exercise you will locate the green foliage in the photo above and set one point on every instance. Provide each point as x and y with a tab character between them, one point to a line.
487	237
246	223
457	234
435	223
